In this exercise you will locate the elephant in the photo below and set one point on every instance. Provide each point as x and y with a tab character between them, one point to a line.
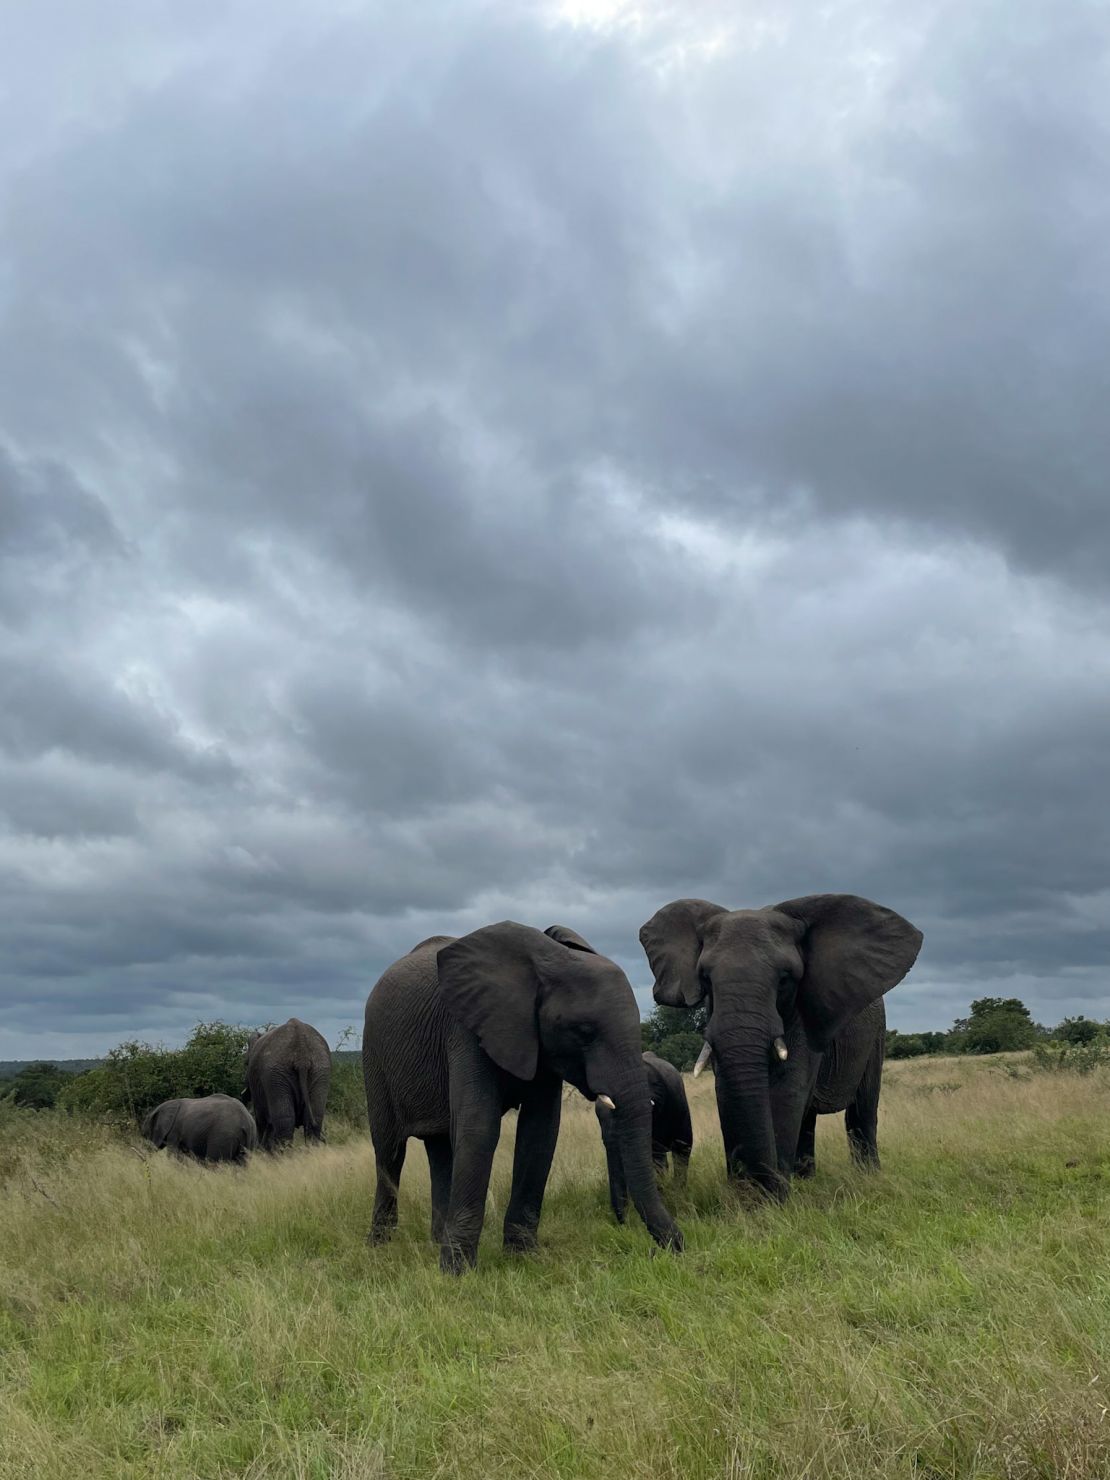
461	1030
288	1074
671	1131
797	1024
211	1128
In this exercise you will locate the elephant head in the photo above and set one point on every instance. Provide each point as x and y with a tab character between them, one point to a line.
547	1002
781	982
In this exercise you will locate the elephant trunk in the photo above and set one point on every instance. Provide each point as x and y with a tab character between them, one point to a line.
742	1049
632	1124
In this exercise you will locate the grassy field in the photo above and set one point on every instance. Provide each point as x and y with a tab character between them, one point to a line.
948	1317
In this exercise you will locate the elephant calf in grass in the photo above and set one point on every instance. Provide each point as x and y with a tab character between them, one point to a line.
211	1128
459	1031
671	1132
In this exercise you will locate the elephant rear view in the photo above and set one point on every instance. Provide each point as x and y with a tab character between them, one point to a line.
210	1128
288	1076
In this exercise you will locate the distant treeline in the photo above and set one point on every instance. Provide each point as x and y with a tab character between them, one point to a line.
993	1025
136	1076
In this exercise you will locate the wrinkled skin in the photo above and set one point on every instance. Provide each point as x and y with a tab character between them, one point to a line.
211	1128
288	1075
671	1132
796	1023
459	1031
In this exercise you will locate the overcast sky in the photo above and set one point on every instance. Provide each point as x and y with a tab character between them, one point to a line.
472	460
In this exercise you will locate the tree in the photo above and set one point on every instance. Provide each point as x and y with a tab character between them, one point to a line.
1078	1030
676	1034
997	1025
36	1086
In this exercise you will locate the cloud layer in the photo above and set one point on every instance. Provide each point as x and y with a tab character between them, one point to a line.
543	464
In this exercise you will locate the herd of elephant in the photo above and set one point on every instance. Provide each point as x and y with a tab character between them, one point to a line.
462	1029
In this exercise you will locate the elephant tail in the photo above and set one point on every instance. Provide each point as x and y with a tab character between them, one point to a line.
311	1129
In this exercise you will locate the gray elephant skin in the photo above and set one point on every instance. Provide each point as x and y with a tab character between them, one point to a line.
461	1030
211	1128
671	1132
288	1076
797	1025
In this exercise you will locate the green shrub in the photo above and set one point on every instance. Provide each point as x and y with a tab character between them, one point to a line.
347	1094
1079	1030
35	1087
137	1076
675	1034
1072	1058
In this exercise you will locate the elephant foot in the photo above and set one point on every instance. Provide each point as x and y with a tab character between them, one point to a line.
520	1243
379	1234
457	1259
805	1168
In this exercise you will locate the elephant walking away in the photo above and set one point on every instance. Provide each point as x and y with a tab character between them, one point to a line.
671	1131
288	1075
459	1031
796	1025
211	1128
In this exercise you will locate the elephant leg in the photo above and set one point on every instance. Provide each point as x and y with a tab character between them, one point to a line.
389	1154
680	1153
805	1163
537	1130
439	1170
475	1130
659	1159
281	1112
861	1119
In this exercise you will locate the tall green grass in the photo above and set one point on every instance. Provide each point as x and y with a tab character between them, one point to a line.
947	1317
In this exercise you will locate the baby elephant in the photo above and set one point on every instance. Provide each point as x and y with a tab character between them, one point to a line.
670	1130
213	1128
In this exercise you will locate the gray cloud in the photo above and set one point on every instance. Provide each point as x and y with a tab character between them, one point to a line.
499	466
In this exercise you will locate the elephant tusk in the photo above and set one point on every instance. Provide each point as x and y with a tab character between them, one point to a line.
781	1049
702	1059
606	1101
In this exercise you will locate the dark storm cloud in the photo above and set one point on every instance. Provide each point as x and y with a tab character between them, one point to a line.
483	465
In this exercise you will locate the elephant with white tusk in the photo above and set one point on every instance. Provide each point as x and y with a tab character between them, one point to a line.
459	1031
796	1026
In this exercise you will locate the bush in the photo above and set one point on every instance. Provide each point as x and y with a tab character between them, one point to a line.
1078	1030
35	1087
675	1034
347	1095
136	1076
1072	1058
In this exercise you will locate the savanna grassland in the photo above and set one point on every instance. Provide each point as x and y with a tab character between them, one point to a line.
948	1317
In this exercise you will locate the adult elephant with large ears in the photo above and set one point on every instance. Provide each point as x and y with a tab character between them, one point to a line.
459	1031
790	990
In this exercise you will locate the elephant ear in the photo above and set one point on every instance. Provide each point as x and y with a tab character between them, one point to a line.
489	983
854	951
672	941
569	938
